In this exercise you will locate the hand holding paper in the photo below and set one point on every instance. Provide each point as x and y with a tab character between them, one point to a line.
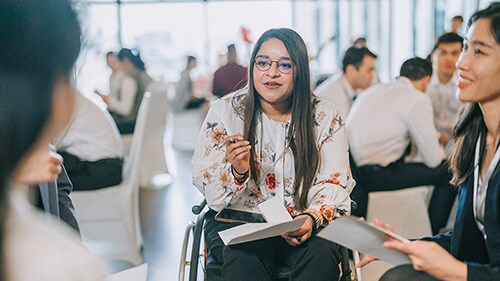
354	234
278	223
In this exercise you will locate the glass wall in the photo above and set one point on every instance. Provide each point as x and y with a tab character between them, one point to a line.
165	32
226	20
164	35
100	34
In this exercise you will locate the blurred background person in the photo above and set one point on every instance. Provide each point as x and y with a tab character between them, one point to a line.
358	68
384	123
360	42
91	147
125	106
456	24
443	86
184	93
116	77
230	77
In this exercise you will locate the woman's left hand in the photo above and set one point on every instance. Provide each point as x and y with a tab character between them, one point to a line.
300	235
431	258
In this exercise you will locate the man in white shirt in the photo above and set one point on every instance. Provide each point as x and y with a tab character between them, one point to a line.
382	125
358	68
443	86
91	147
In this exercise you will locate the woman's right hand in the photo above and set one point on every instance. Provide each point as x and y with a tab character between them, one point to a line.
238	154
40	166
368	259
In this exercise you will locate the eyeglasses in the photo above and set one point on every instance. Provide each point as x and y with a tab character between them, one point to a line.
264	63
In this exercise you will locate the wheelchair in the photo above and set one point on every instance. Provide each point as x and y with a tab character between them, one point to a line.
212	269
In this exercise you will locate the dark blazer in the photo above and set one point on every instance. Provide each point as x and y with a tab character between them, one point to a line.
466	241
54	199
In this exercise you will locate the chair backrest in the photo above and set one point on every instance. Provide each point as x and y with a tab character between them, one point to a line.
159	106
153	154
130	170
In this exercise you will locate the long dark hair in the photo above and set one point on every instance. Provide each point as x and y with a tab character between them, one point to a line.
133	56
471	125
40	42
301	134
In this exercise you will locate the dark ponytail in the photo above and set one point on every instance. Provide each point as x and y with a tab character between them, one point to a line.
133	56
466	133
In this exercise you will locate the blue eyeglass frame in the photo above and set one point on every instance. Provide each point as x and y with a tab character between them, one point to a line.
277	62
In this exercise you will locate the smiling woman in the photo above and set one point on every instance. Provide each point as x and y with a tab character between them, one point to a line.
470	250
281	141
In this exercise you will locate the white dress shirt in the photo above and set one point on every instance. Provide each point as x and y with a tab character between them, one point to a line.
385	118
444	102
92	133
337	90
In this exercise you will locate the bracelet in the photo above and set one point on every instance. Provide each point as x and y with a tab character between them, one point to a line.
238	173
313	219
241	180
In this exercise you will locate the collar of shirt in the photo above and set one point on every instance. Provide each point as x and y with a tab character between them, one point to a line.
404	80
348	88
435	83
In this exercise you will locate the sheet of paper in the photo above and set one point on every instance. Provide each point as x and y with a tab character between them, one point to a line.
273	210
354	234
256	231
138	273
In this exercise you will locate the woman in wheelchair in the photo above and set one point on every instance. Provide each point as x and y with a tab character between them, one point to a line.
275	138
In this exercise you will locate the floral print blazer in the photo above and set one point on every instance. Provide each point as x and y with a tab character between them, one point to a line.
212	175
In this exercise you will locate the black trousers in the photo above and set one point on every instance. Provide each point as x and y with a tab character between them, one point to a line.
315	259
400	175
86	175
125	128
406	272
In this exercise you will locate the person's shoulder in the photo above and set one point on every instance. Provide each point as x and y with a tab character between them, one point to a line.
324	111
329	84
321	103
421	98
52	250
240	67
233	102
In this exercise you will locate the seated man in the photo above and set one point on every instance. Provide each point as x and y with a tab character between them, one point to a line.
358	69
91	147
443	86
382	125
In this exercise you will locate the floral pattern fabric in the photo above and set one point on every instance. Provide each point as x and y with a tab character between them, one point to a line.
212	175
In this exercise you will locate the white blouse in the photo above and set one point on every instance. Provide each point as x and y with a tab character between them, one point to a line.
123	102
39	248
212	175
